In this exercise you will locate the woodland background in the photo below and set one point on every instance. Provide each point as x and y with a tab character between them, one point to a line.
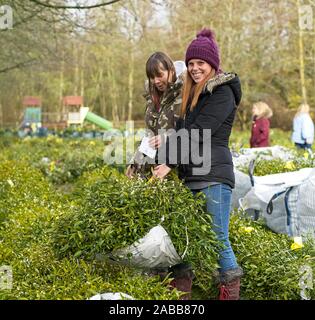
98	49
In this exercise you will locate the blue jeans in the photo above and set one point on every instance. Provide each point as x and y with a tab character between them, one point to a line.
303	146
218	199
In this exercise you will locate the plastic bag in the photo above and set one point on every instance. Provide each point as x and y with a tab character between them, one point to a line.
242	186
286	201
112	296
154	250
180	67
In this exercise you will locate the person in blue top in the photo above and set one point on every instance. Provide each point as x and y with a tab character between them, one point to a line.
303	128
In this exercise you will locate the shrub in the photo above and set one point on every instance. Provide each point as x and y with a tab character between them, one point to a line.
20	187
60	160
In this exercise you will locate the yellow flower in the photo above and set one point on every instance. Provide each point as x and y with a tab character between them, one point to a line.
297	244
92	143
52	166
248	229
290	165
152	179
306	155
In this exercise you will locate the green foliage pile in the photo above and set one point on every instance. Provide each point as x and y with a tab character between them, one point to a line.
26	245
117	211
265	167
20	188
51	240
60	160
38	274
272	269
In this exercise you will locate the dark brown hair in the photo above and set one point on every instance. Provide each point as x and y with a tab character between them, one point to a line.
154	64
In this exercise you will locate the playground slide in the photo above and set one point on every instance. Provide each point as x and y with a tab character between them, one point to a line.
97	120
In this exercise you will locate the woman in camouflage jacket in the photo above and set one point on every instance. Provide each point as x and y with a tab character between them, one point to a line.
163	101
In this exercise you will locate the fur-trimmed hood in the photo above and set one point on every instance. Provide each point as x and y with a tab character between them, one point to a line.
230	79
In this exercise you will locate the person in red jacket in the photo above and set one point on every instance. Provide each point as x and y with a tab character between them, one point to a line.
260	125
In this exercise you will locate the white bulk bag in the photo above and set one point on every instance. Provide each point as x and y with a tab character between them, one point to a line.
154	250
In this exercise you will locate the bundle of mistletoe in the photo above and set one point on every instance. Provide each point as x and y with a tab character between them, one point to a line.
117	211
31	209
264	167
275	268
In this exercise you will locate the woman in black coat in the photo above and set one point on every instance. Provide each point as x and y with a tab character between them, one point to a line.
210	100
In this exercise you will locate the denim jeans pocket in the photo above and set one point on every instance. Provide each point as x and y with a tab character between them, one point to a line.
226	193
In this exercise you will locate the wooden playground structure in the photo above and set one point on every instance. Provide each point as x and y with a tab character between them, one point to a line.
73	113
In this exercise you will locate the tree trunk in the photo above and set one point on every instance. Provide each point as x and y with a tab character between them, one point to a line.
230	35
1	116
130	85
301	59
101	93
115	114
113	91
82	71
76	70
61	86
242	112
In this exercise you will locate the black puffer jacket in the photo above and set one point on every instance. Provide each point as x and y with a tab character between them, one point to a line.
215	110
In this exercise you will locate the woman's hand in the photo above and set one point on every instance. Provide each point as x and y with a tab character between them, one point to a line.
161	171
155	142
130	171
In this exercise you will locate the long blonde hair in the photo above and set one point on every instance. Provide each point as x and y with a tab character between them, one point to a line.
303	108
264	111
192	91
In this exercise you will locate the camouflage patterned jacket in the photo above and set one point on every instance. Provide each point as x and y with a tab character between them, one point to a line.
165	118
168	114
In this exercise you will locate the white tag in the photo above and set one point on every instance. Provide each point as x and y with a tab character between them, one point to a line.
146	149
298	240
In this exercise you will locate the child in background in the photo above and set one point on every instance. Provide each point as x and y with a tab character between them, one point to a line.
303	128
260	125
